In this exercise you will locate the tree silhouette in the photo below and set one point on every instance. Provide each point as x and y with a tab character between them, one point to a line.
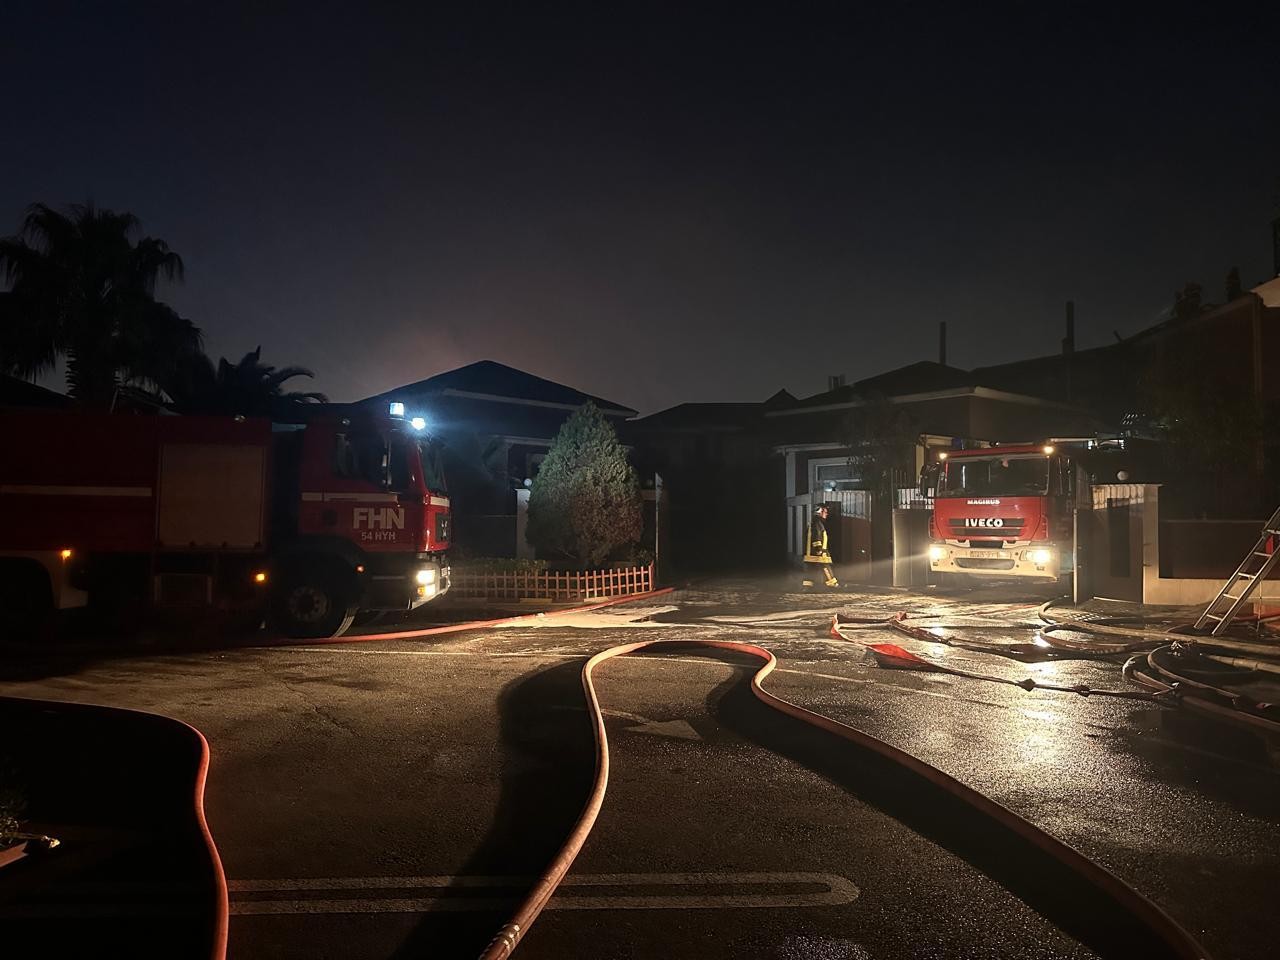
82	289
249	388
1234	288
585	501
882	436
1211	430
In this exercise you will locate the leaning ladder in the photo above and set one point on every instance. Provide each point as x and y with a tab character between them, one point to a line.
1255	567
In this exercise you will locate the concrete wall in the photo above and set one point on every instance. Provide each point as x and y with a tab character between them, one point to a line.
1142	503
1206	549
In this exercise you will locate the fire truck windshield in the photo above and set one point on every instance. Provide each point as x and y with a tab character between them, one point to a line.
408	454
432	468
995	477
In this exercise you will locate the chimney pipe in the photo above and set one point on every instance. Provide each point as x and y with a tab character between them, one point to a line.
942	342
1068	351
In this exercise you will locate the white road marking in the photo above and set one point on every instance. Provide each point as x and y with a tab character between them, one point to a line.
680	729
783	617
833	890
594	620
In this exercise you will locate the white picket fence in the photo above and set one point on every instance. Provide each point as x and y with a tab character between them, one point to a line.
552	585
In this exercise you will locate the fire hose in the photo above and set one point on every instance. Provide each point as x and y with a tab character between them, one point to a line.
1149	667
1182	686
1178	941
1133	640
1163	683
895	657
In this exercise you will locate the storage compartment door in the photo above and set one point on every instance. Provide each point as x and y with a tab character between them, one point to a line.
212	496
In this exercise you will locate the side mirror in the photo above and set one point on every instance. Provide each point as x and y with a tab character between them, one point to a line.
929	478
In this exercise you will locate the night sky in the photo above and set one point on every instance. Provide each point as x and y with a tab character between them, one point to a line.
658	205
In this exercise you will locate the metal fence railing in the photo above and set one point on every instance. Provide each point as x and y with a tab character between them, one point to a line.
910	498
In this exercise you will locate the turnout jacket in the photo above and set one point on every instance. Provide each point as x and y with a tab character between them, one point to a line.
817	550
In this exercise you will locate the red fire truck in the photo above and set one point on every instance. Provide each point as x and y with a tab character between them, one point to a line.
1008	511
308	522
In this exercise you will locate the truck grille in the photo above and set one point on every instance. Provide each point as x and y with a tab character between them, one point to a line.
1010	528
442	528
979	563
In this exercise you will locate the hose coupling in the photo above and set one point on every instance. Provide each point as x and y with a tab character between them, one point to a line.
504	941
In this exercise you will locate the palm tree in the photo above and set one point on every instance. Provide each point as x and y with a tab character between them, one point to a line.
248	388
81	288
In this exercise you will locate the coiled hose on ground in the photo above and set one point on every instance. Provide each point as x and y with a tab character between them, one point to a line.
1188	684
1199	660
1165	929
1132	639
894	657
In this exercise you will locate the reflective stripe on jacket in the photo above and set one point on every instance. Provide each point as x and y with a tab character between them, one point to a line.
817	550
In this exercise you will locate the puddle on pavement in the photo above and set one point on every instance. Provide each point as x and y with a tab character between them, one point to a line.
1236	766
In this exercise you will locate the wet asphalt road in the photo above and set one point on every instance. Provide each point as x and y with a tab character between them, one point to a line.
352	785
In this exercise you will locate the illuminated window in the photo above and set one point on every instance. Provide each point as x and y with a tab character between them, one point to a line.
834	474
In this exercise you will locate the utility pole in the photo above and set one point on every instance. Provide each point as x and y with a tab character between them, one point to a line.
657	523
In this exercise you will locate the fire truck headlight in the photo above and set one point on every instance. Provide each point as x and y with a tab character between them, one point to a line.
426	576
418	423
1040	556
937	553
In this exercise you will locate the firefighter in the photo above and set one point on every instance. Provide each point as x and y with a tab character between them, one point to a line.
817	551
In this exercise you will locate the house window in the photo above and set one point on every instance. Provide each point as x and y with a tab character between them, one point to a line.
834	474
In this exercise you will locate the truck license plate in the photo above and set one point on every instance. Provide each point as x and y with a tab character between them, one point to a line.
986	554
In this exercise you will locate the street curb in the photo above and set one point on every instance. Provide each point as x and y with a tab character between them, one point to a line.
221	906
466	625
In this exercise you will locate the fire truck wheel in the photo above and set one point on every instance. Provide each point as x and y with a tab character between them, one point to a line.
311	603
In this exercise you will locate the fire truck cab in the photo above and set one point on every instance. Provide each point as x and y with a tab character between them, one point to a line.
1004	511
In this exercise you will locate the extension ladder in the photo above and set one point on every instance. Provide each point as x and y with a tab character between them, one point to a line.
1255	566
